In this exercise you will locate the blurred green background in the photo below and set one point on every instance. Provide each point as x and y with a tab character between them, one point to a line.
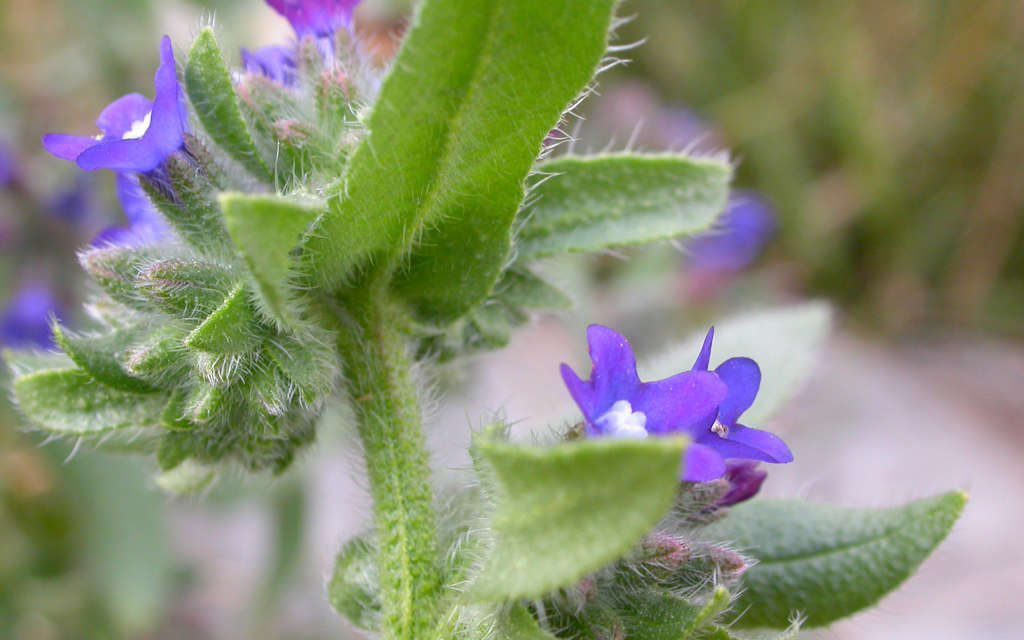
887	136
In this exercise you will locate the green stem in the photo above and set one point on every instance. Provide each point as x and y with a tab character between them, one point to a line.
383	395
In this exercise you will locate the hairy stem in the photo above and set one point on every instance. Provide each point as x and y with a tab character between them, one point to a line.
386	403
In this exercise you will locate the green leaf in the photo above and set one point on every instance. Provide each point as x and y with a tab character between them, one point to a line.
208	83
161	357
828	562
175	415
115	269
593	203
266	230
521	288
785	342
457	125
518	624
653	615
354	584
186	288
310	364
187	478
563	512
23	362
186	195
71	402
98	356
232	328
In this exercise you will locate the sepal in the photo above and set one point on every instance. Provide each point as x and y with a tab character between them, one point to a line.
209	87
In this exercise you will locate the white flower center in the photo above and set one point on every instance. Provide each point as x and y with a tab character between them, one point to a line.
139	128
720	429
622	422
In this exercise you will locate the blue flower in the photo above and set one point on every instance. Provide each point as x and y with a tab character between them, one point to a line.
705	405
138	134
25	321
319	18
740	234
745	480
76	202
274	62
145	224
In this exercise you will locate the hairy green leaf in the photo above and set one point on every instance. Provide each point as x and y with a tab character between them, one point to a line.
161	357
785	342
518	624
308	363
353	588
115	269
186	195
71	402
592	203
186	288
208	83
521	288
454	132
232	328
98	356
266	230
654	615
187	478
828	562
565	511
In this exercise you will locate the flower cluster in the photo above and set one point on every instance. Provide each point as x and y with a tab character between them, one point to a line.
319	20
702	404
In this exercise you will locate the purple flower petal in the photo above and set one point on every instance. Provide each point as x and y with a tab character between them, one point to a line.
745	480
769	443
704	357
122	114
75	204
137	206
742	231
582	393
145	223
67	147
121	155
128	236
677	404
616	404
733	449
316	17
274	62
170	116
613	376
743	377
26	319
131	143
702	464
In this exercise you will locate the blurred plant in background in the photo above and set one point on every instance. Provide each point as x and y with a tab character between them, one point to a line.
887	136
